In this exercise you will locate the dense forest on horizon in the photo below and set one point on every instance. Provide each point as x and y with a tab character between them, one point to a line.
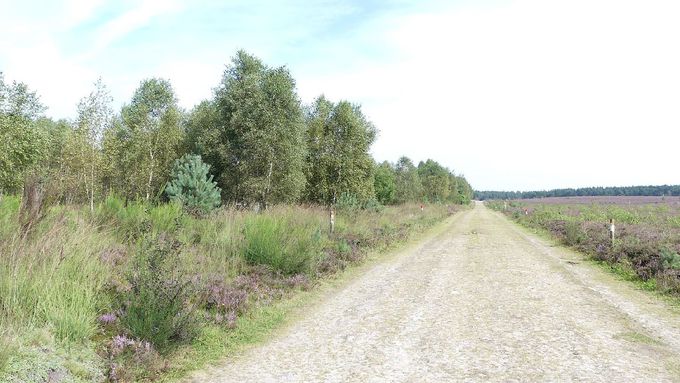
262	146
650	190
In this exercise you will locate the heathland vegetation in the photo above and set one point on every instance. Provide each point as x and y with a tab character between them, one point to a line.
645	245
660	190
140	243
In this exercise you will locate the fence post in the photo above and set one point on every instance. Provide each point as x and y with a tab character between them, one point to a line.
332	220
612	230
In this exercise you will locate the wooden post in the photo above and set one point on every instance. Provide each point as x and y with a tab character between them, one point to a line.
612	230
332	220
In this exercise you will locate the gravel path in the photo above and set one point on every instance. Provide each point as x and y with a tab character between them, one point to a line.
481	301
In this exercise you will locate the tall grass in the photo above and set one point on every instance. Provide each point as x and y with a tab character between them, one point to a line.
7	346
287	241
54	280
9	210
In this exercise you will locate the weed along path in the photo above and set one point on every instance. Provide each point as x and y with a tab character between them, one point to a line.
481	301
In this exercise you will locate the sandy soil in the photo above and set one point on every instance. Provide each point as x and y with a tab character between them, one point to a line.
482	301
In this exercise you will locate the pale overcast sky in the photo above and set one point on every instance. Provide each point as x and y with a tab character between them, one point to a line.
516	95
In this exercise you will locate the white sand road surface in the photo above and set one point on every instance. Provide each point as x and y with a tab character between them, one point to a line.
482	300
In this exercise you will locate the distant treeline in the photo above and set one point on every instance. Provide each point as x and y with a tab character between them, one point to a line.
262	144
662	190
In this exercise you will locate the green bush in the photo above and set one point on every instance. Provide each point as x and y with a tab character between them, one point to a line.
373	205
573	234
109	210
166	218
343	247
287	246
192	187
130	222
348	203
670	259
157	307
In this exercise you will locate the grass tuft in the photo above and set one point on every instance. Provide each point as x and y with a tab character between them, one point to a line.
287	244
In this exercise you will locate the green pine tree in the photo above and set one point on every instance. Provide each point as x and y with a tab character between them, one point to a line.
192	187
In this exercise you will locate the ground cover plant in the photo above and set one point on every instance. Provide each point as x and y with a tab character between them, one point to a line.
116	294
646	243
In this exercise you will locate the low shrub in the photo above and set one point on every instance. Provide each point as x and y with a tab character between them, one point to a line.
225	298
158	305
573	235
669	282
373	205
670	259
129	270
347	203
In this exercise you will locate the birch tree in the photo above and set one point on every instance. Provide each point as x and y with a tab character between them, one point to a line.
260	133
21	142
339	138
384	181
147	140
408	187
435	181
94	117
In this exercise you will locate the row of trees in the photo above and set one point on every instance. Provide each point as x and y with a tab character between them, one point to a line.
661	190
263	146
429	181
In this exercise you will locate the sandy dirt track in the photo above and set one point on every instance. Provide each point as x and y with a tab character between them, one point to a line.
483	300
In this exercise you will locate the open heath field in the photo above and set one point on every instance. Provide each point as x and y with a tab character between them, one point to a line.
645	242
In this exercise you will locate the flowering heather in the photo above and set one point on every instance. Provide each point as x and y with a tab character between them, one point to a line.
107	318
231	320
226	298
298	281
113	256
602	200
127	355
228	319
119	343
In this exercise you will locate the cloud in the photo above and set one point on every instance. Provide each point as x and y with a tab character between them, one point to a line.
528	94
191	90
38	54
138	16
78	11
